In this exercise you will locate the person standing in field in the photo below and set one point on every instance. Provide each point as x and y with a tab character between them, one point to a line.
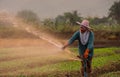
85	37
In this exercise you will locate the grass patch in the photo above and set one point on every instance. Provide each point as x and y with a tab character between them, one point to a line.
101	61
68	66
105	51
98	62
63	66
111	74
102	27
75	65
68	28
99	52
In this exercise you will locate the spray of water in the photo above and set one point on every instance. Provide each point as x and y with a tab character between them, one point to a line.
52	41
42	35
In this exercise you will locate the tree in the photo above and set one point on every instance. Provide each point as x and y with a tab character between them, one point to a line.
29	17
48	22
115	11
97	20
60	20
72	17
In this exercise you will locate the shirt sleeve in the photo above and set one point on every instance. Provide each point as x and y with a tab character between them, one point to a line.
74	37
91	41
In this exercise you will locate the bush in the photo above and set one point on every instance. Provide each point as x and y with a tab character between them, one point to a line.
29	16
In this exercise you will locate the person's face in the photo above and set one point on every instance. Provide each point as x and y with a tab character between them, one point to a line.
83	29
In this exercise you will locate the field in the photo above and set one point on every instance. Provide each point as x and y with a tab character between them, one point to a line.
23	55
29	52
32	59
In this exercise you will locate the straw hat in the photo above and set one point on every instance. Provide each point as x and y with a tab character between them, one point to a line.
84	23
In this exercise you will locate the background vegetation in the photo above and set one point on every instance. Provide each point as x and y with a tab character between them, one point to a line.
107	26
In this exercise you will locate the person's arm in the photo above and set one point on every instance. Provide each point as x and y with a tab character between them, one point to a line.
71	40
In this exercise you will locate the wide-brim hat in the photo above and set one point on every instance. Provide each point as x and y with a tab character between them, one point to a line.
84	23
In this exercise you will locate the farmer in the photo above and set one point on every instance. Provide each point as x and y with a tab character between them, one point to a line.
85	38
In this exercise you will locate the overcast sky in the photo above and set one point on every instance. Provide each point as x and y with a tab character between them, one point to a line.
52	8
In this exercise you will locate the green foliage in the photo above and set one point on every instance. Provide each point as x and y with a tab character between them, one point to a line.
100	52
60	20
29	16
111	74
104	51
97	20
63	66
71	18
48	22
68	18
68	28
106	56
115	11
75	65
109	28
60	28
101	61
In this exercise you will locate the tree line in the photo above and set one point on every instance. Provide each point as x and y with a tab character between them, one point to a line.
70	18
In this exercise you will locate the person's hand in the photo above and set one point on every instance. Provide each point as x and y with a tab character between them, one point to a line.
65	45
86	53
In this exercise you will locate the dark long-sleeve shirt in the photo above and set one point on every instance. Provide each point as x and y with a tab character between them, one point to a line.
82	48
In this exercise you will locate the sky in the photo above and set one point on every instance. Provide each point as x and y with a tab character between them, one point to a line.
53	8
